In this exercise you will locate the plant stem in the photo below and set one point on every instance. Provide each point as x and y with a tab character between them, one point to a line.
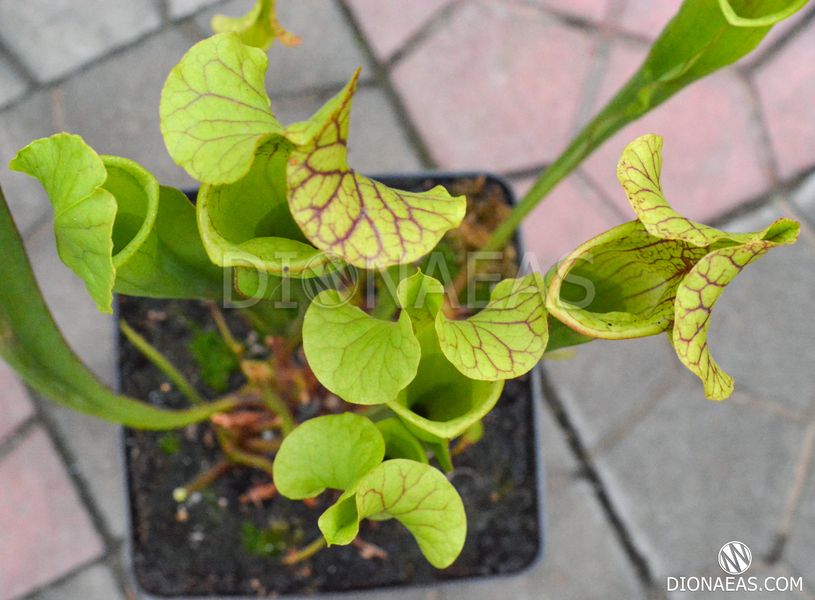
223	329
240	457
152	354
278	406
297	556
202	481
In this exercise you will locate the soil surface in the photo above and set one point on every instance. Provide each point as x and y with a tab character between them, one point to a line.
217	544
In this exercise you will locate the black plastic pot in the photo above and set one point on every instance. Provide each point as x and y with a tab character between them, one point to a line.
500	480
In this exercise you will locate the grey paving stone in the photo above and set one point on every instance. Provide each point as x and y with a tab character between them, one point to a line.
52	38
94	583
800	548
804	198
12	85
180	9
762	328
114	105
577	535
695	474
377	141
328	54
20	125
608	383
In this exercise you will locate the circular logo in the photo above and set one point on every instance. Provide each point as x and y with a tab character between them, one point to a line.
735	558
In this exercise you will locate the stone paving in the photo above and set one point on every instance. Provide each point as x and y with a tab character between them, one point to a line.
646	479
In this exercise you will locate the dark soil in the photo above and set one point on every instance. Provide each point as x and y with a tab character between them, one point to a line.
213	545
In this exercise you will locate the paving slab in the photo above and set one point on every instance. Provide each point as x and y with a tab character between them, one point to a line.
46	531
801	537
578	535
487	105
609	386
785	83
20	125
94	583
572	214
694	474
12	85
712	162
594	10
645	17
15	405
804	198
114	105
181	9
329	52
377	140
53	38
388	25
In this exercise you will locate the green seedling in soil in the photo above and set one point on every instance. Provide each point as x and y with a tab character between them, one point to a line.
401	381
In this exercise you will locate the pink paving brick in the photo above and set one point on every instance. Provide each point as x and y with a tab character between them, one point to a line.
46	532
645	17
786	87
594	10
712	161
388	24
572	214
15	406
479	102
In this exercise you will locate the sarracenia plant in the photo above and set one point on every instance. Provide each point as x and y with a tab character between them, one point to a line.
279	204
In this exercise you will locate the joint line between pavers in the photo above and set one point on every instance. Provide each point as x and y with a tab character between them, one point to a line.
575	440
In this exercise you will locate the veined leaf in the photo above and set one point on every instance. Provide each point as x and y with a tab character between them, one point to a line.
420	498
504	340
663	270
332	451
115	227
31	343
72	175
247	223
214	109
698	293
362	359
259	27
365	222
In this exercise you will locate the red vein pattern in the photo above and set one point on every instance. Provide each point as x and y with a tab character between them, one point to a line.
214	109
365	222
504	340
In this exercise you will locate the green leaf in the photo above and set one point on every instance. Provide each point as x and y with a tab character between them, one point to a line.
247	223
259	27
661	271
72	175
400	442
504	340
339	523
422	297
698	293
761	19
214	358
362	359
32	345
363	221
332	451
116	227
421	499
214	109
